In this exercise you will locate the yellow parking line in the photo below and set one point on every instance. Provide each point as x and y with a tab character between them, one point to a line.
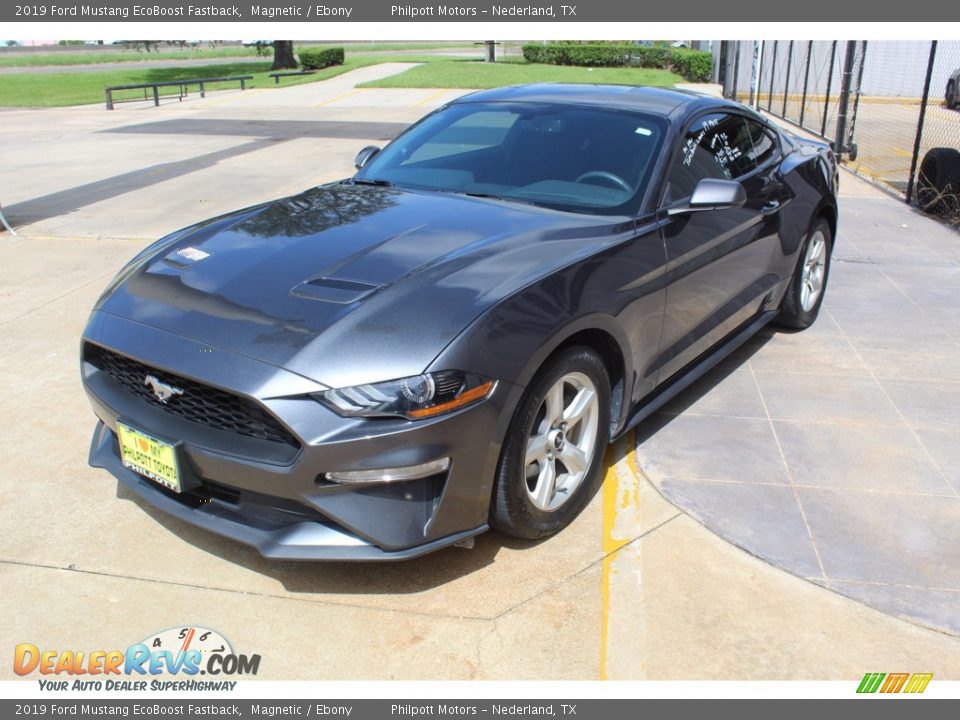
609	545
615	498
430	97
338	97
621	596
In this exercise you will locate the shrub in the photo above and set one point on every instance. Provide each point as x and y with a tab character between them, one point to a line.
694	65
317	58
586	55
652	56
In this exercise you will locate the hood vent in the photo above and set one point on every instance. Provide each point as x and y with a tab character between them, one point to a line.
334	290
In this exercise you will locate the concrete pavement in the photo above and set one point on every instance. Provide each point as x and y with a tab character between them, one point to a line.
636	588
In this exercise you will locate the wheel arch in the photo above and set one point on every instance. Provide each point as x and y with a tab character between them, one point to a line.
829	213
603	336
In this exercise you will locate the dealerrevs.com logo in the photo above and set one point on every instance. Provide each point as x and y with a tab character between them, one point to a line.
147	665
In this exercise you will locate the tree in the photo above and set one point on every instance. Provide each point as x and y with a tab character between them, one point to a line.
283	58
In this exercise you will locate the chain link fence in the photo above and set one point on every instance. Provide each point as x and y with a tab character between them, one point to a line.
890	108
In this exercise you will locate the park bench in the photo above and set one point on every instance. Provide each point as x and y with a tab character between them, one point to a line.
181	84
277	75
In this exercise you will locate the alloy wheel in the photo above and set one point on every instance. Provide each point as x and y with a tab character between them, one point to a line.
561	446
814	267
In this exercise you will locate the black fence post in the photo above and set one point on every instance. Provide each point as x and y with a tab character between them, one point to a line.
839	143
826	102
786	79
806	82
923	113
773	70
856	100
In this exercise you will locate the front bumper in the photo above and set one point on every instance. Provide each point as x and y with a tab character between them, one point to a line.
274	498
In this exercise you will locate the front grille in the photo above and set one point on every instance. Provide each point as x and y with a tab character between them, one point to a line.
199	403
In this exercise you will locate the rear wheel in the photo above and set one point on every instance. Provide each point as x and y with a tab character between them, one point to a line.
551	461
801	304
951	95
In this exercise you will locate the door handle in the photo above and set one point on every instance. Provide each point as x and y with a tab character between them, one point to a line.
770	208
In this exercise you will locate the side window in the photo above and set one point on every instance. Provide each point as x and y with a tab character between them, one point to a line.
763	144
714	146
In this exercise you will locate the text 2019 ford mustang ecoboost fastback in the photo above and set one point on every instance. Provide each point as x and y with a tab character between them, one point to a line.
447	341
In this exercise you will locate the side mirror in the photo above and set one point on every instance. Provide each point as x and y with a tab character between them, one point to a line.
365	155
712	194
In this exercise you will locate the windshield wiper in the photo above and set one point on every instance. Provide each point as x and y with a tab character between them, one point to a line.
374	182
501	198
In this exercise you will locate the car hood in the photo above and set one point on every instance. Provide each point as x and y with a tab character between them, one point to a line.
344	283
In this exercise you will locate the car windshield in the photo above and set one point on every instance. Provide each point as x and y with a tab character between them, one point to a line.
567	157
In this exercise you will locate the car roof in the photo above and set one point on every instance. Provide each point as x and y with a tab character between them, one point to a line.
655	100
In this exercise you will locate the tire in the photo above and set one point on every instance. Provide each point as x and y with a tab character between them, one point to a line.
799	308
524	506
951	95
938	183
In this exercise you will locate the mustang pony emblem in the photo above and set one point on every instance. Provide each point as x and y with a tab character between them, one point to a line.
161	390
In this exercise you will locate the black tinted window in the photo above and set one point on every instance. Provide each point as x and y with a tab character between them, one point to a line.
584	159
763	144
714	146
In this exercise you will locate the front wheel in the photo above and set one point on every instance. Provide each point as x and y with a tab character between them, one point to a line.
804	296
551	461
951	95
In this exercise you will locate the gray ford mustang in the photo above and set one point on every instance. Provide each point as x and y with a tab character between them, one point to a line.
447	341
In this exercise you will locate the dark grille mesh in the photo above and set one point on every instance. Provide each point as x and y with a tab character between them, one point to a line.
199	403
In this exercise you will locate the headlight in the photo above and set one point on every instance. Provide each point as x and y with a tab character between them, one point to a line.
417	397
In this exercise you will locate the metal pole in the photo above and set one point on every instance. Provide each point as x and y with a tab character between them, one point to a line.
786	79
923	113
716	49
109	99
3	221
806	82
756	72
856	100
773	70
826	102
736	69
840	142
156	96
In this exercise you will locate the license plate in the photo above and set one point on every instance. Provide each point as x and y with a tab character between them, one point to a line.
152	458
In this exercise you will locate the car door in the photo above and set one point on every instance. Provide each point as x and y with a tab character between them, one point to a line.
718	261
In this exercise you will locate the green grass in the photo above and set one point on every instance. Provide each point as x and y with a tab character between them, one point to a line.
95	58
38	59
61	89
380	47
473	74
